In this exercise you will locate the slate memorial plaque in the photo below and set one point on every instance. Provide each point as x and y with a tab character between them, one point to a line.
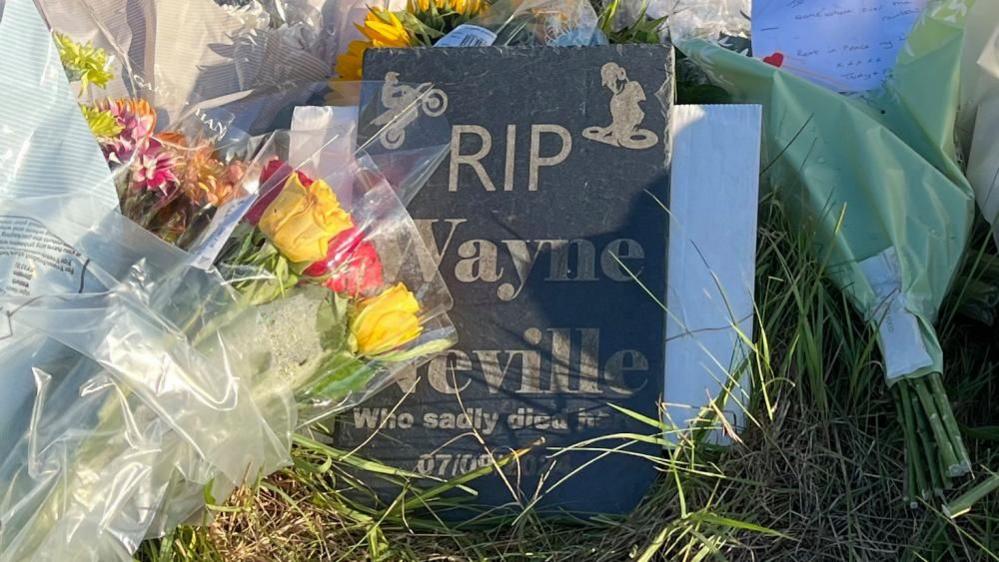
545	212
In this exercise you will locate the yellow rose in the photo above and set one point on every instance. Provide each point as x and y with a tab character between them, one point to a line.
386	321
303	219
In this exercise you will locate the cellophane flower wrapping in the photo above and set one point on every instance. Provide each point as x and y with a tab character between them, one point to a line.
368	24
329	259
875	175
145	368
562	23
108	399
198	50
178	162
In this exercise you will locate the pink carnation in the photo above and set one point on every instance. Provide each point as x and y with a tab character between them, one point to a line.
153	169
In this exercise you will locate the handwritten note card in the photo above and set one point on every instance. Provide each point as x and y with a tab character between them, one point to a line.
846	45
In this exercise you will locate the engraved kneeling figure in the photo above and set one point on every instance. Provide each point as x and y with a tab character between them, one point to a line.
626	112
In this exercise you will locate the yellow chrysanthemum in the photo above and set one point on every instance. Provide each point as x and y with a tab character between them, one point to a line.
103	124
83	61
382	30
463	7
348	65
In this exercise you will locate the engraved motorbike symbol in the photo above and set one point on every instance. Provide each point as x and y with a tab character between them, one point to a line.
404	104
626	113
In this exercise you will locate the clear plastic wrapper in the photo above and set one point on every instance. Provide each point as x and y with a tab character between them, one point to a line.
203	50
468	23
138	374
701	19
539	22
902	128
335	332
335	267
104	387
175	176
179	177
420	107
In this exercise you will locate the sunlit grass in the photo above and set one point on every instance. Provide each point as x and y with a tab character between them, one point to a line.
817	474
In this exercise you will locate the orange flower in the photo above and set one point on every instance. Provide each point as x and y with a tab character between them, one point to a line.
137	106
204	179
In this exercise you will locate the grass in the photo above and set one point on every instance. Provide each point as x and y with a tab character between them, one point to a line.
818	474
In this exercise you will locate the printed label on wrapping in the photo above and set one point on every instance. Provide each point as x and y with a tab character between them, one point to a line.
901	338
225	221
34	262
467	35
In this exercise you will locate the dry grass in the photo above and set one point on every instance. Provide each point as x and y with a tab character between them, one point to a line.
818	475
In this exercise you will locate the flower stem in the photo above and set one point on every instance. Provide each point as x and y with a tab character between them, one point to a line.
946	449
950	424
929	450
912	453
911	481
963	504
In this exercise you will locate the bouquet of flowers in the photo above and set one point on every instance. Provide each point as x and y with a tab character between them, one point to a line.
107	399
205	50
151	374
171	181
282	235
471	23
341	250
849	162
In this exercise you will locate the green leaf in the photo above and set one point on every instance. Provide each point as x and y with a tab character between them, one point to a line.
639	417
983	433
103	124
83	62
721	521
430	348
262	291
427	27
339	375
331	322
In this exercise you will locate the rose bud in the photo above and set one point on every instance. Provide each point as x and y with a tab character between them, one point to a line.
386	322
274	176
302	220
352	264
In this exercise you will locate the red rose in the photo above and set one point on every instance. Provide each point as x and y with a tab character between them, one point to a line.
278	171
352	264
270	169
